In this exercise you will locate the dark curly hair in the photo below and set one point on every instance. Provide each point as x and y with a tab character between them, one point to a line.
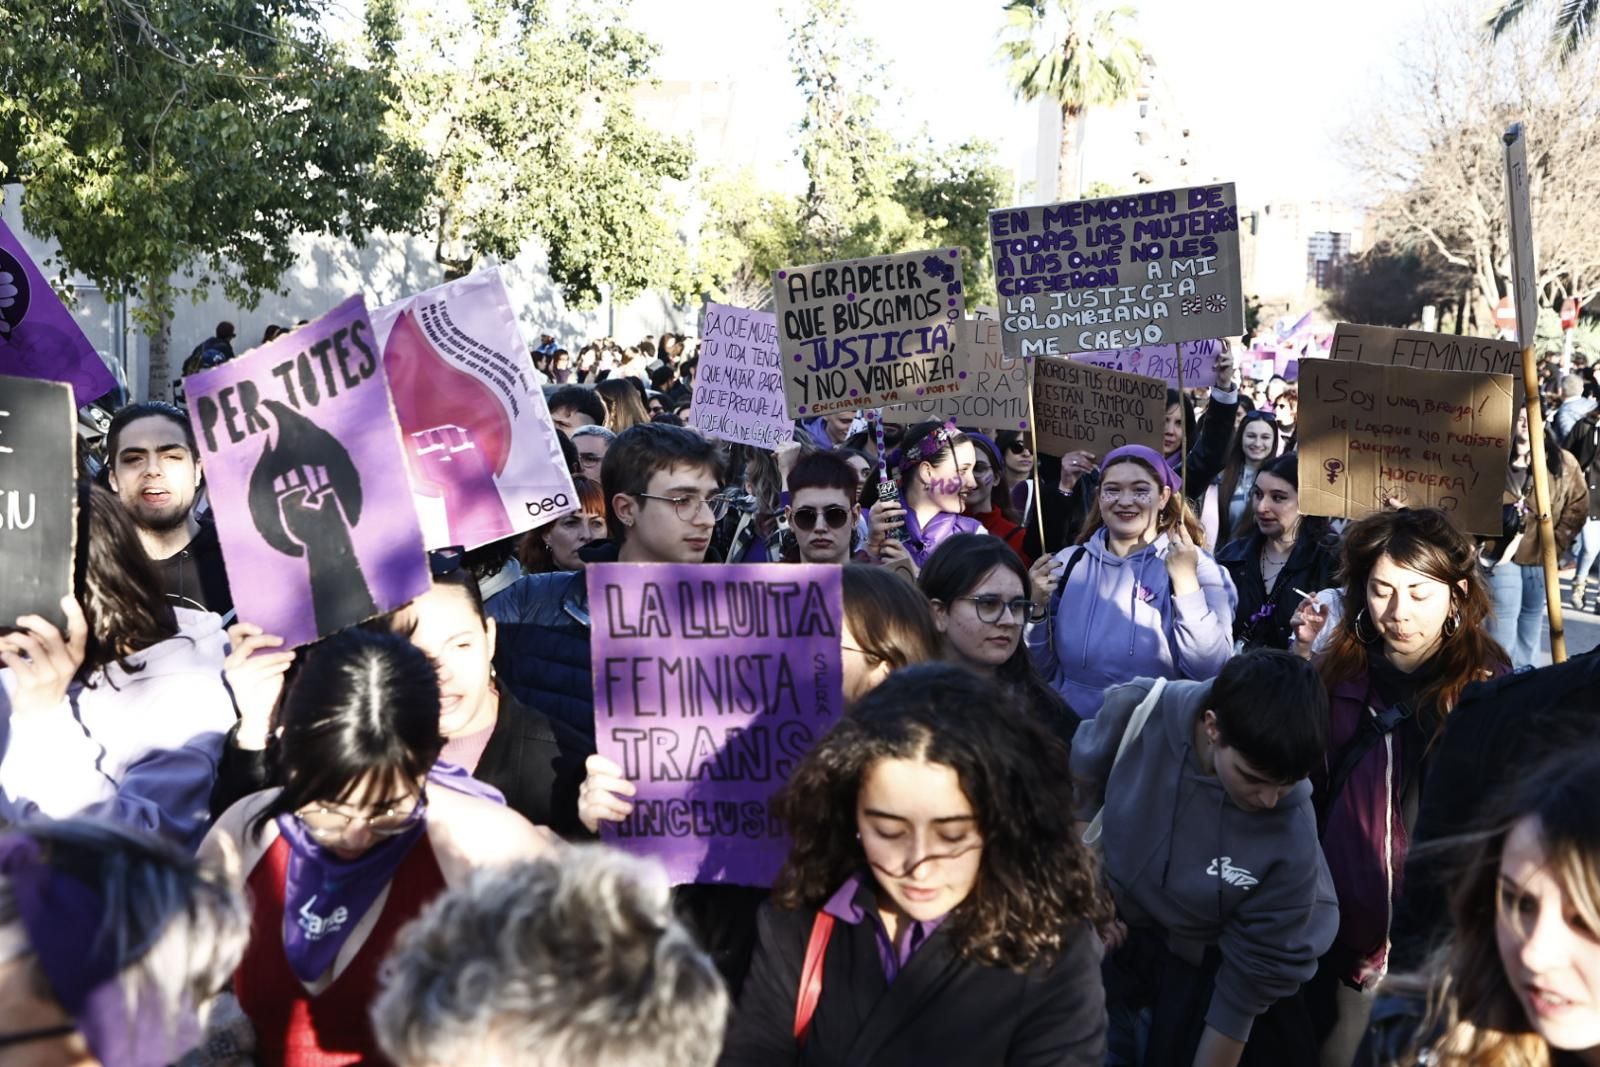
1036	881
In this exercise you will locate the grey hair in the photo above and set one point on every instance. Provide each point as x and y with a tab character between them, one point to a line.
593	431
573	960
146	885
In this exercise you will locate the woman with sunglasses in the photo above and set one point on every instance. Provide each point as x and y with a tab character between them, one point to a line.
982	598
351	847
1019	459
990	502
936	879
1225	512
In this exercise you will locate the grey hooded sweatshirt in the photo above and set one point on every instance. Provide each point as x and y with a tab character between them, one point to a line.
1180	855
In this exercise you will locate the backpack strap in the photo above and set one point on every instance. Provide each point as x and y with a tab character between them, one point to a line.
811	975
1377	726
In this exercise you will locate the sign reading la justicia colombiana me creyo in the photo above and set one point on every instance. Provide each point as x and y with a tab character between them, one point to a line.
1157	268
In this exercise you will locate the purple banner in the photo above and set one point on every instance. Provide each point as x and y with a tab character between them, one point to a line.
307	480
1198	359
39	338
481	450
711	681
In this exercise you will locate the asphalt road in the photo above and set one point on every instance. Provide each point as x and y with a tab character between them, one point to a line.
1583	627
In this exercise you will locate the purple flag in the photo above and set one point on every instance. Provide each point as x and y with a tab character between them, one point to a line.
39	338
711	681
307	480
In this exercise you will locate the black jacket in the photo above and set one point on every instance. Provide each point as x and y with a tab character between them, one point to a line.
195	577
1310	567
939	1010
534	760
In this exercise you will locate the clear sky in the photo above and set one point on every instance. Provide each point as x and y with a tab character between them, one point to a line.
1266	85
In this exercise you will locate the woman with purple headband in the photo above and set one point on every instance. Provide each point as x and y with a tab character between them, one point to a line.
1137	597
934	464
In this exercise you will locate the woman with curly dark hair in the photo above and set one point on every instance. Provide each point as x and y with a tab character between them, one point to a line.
1413	635
937	889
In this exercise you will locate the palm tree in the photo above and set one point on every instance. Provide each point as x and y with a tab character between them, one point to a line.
1078	56
1573	25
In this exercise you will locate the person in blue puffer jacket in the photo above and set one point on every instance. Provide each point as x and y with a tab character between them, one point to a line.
1137	596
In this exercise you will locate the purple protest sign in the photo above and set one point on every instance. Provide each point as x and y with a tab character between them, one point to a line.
39	338
480	447
307	481
1162	361
711	681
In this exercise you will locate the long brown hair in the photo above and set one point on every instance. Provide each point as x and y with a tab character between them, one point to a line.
1470	1000
1176	510
624	404
1422	540
1037	883
117	585
1228	480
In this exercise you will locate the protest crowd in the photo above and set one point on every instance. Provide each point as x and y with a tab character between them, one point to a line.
631	724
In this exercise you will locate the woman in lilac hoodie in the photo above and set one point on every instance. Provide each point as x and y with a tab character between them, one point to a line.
1137	596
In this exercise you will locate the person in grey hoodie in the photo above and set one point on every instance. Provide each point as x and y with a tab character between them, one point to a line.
1224	900
1137	596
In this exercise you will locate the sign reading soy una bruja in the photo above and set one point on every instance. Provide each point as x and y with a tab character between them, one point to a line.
1119	272
1370	435
864	333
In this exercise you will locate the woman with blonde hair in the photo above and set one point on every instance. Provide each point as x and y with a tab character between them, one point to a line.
1516	983
624	403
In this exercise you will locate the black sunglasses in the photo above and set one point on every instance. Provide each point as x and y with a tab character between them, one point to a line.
1017	448
805	519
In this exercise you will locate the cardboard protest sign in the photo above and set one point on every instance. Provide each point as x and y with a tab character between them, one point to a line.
1196	358
39	338
711	681
480	448
1144	269
1424	351
738	389
308	481
38	502
1370	433
1081	406
994	394
864	333
1519	210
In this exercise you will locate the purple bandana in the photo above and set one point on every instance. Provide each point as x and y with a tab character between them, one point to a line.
65	923
1151	457
324	896
922	540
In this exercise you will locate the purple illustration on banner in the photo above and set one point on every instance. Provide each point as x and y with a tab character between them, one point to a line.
480	447
39	338
307	480
711	681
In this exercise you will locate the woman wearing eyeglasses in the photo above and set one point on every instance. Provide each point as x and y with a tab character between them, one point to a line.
989	501
351	847
1138	597
982	597
936	881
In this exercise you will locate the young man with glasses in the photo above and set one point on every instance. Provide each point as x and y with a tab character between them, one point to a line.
663	491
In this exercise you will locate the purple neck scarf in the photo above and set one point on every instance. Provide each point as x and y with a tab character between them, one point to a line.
324	896
922	540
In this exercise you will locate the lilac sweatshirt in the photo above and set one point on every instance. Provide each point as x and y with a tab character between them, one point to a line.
1117	620
140	749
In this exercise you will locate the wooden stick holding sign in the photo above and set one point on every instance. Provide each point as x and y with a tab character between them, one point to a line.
1520	211
1038	498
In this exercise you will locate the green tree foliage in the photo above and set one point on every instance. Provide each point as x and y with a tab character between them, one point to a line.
531	121
1076	55
867	194
1571	26
197	136
1388	285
